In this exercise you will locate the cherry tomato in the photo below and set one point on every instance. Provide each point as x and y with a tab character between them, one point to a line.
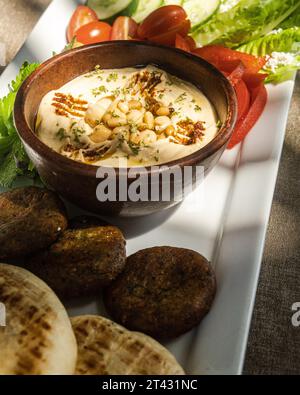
162	25
170	37
94	32
220	56
81	16
182	43
244	125
124	28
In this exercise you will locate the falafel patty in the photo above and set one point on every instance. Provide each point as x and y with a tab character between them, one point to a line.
31	219
163	291
81	261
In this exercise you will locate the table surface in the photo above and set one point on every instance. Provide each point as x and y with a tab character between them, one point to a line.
274	343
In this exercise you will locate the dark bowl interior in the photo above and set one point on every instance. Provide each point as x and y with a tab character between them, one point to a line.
119	54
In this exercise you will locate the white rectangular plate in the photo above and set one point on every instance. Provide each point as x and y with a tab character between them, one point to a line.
228	225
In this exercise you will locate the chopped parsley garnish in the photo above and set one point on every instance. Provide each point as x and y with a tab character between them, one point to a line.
100	89
112	77
197	108
116	92
135	149
61	134
219	123
181	97
77	133
96	72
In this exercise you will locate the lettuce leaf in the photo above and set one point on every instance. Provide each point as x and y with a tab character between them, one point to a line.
287	40
283	48
292	21
247	20
13	159
282	72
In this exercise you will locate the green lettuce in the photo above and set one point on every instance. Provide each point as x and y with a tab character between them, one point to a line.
283	48
247	20
287	40
292	21
13	158
282	72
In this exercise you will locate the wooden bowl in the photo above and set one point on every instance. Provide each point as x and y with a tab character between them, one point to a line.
76	181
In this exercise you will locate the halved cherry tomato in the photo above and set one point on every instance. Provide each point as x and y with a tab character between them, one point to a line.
162	25
220	57
169	37
124	28
81	16
244	125
93	32
243	98
182	43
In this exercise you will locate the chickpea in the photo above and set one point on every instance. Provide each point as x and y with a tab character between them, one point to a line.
142	126
163	111
121	130
149	119
96	111
148	137
135	116
123	106
106	117
100	134
113	122
135	137
135	105
162	122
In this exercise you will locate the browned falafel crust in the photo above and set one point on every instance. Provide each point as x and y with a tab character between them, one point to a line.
81	261
163	291
31	218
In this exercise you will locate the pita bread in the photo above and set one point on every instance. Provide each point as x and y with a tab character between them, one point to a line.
106	348
38	337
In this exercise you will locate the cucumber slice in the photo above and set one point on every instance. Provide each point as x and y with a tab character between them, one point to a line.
106	9
144	8
199	11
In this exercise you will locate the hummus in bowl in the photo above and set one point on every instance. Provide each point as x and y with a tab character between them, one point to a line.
81	123
145	116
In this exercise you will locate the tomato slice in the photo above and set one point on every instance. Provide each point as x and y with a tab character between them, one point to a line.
93	32
244	125
243	98
170	37
220	57
182	43
124	28
254	80
237	72
163	24
81	16
191	42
